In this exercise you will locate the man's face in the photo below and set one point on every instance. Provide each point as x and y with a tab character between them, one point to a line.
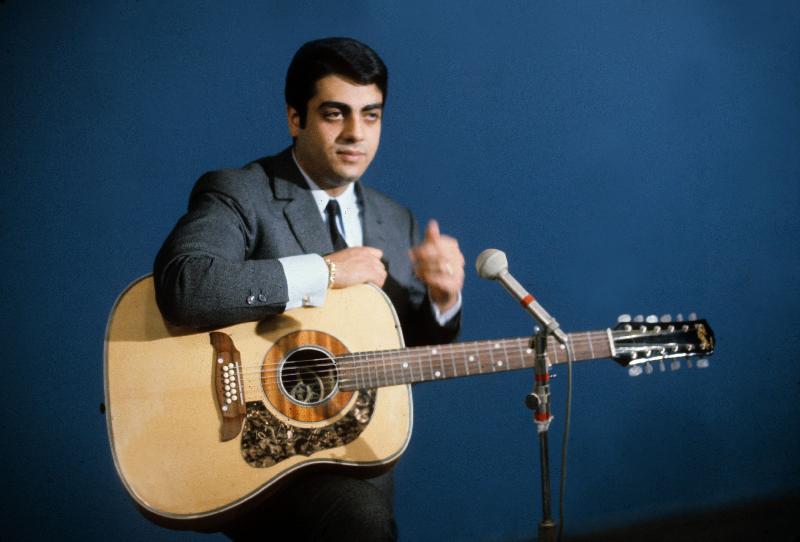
342	132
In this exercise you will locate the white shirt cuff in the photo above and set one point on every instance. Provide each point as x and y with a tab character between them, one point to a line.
306	280
443	317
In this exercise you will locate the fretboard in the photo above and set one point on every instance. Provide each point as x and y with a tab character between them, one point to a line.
426	363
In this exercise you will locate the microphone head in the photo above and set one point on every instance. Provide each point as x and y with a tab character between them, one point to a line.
490	263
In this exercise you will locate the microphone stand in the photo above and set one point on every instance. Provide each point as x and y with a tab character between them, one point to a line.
539	401
492	264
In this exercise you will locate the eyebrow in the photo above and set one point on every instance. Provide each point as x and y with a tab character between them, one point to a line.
347	109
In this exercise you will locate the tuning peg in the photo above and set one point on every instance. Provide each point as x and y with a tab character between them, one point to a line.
692	316
702	363
679	317
638	318
661	366
623	318
688	363
648	368
634	370
651	319
675	364
666	318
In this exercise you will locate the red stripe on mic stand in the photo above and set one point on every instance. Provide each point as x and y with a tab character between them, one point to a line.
527	300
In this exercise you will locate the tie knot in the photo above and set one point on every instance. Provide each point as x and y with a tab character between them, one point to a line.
333	208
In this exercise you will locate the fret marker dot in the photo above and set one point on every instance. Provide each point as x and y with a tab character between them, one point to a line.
471	358
405	365
562	346
437	374
500	363
433	351
529	351
497	345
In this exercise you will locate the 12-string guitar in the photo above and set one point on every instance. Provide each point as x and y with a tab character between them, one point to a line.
203	424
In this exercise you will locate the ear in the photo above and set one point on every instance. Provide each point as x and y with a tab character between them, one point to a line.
293	120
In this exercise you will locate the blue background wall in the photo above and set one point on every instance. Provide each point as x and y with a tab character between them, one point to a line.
628	156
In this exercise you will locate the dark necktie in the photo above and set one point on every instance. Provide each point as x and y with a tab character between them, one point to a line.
333	216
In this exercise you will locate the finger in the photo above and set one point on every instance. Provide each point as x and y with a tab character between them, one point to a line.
432	231
372	251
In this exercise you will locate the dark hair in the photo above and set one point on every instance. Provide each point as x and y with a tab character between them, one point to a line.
340	56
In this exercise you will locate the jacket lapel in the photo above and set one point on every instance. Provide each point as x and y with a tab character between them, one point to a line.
371	219
301	211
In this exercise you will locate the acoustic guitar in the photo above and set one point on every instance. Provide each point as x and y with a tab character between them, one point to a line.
204	424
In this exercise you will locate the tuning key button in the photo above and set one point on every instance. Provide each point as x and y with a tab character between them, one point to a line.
623	318
666	318
634	370
702	363
652	319
674	365
638	318
661	366
679	317
648	368
692	316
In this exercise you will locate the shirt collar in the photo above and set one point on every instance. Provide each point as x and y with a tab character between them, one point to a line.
347	199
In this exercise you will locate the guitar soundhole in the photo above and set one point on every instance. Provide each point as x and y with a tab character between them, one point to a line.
309	376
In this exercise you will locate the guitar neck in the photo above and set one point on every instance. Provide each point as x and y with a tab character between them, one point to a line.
426	363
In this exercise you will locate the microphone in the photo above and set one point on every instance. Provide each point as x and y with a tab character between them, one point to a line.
492	264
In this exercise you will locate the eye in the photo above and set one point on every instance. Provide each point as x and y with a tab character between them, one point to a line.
332	114
372	116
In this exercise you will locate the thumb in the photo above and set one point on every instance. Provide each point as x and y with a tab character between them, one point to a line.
432	231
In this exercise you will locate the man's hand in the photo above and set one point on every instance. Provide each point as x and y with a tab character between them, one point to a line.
358	265
438	263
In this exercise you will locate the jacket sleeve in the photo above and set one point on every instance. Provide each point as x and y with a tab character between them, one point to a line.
203	277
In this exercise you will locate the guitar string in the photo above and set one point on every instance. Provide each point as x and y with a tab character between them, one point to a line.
419	355
422	354
351	362
389	371
403	355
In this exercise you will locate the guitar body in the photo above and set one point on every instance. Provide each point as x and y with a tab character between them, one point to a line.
190	453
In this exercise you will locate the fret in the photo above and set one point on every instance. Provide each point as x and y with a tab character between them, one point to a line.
391	366
360	374
503	363
368	380
438	373
521	354
591	347
480	358
418	364
465	359
380	371
451	349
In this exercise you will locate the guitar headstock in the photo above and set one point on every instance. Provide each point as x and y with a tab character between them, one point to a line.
640	343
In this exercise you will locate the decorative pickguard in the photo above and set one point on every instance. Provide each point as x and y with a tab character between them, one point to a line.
266	440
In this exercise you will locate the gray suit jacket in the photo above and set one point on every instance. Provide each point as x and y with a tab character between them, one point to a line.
219	265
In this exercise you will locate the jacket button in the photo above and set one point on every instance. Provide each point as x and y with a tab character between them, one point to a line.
262	298
250	299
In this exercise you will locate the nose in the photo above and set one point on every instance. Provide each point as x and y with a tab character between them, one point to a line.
353	129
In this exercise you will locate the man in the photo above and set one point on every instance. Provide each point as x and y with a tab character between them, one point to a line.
279	232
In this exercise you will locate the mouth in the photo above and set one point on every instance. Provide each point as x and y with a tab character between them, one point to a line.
350	155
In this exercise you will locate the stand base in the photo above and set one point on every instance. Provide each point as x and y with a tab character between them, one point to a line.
547	531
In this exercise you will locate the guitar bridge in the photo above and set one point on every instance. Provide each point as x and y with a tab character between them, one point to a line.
228	384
